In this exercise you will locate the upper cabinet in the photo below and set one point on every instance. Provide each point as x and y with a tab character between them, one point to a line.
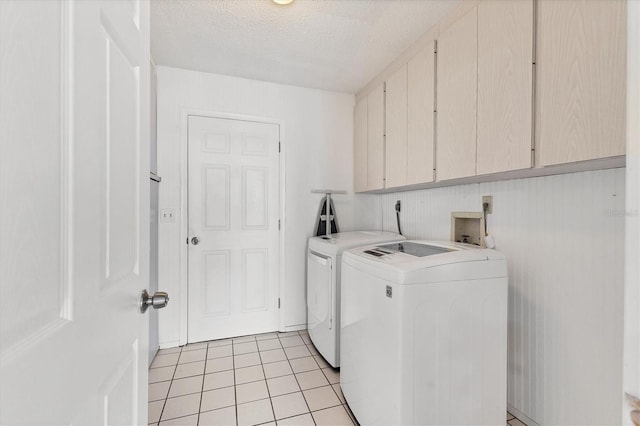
485	89
409	119
360	146
581	80
514	85
420	120
457	97
368	152
396	129
505	85
375	138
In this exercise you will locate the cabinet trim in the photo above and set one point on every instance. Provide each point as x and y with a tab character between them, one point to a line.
558	169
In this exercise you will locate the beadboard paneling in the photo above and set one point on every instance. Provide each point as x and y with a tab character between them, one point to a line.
563	237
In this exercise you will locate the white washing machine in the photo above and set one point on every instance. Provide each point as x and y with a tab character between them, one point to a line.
323	286
424	334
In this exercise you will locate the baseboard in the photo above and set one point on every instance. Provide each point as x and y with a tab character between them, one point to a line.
521	416
170	344
297	327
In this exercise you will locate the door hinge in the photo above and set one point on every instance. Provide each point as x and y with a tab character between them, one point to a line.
278	303
278	224
279	147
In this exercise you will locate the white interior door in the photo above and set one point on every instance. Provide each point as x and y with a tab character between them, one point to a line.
74	211
234	205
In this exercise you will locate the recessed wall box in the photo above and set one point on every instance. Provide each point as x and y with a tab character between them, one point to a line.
468	227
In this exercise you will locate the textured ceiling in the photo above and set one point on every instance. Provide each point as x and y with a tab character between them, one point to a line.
337	45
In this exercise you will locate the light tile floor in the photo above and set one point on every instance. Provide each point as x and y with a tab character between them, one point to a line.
266	379
251	380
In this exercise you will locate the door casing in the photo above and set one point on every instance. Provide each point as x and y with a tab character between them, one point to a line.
184	209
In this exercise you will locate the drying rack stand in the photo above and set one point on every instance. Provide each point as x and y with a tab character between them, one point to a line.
328	218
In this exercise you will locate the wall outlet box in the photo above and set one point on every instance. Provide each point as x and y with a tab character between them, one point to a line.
468	228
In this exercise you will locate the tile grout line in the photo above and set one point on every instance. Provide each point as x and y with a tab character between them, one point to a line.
273	411
275	396
342	404
296	378
175	368
204	372
186	377
235	392
176	418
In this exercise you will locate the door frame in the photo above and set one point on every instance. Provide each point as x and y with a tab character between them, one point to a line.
184	209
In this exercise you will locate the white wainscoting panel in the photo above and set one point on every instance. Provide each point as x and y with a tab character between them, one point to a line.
563	237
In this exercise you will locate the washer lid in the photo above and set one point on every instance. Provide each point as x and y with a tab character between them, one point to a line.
414	249
340	242
433	262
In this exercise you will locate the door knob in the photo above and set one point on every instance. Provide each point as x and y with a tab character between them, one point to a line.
160	299
195	241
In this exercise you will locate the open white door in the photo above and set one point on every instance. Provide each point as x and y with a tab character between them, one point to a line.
74	211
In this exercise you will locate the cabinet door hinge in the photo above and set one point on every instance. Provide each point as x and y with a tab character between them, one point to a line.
278	224
279	147
278	303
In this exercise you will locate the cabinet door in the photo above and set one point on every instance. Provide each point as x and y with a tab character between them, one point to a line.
505	85
420	122
581	75
360	146
457	95
396	129
375	139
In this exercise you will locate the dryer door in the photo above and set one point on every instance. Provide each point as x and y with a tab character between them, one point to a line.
319	287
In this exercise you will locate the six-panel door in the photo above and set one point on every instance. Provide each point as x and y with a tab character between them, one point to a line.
74	185
234	206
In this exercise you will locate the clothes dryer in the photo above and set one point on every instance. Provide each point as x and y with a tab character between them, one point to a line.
323	286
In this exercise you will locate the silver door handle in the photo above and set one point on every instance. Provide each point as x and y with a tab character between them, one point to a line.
160	299
195	241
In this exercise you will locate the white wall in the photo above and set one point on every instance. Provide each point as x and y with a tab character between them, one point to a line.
317	137
564	240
